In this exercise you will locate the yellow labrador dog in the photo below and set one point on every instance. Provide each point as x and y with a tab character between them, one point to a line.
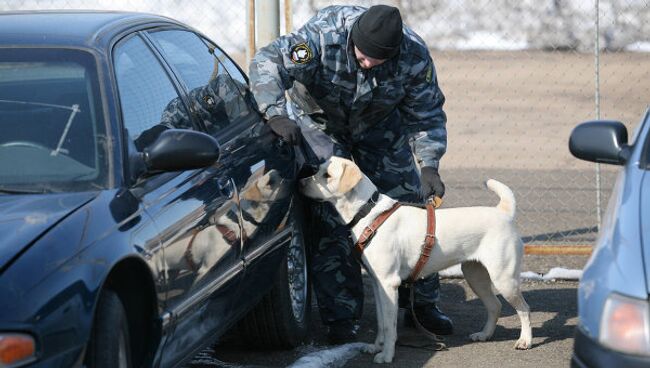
483	240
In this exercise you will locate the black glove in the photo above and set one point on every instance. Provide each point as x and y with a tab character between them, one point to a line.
286	128
431	183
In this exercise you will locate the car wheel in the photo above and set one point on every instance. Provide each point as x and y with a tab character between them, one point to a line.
109	345
281	319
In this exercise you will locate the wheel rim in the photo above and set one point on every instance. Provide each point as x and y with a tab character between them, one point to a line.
297	275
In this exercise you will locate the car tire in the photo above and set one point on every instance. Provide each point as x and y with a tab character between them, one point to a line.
281	319
109	345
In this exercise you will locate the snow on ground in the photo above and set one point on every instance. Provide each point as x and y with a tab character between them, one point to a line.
330	358
458	24
555	273
488	41
638	47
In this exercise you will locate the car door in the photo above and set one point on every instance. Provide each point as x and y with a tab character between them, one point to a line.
261	165
195	211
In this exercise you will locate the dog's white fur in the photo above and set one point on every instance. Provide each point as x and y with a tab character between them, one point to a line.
483	240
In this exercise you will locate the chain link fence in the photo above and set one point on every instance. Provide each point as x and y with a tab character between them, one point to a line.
517	75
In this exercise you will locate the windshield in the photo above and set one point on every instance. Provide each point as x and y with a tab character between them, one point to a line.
51	122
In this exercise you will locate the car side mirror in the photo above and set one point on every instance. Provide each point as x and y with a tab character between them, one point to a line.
603	141
181	149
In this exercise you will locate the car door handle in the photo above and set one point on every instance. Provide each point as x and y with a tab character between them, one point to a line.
226	187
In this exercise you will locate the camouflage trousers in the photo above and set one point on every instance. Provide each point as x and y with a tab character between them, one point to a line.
387	159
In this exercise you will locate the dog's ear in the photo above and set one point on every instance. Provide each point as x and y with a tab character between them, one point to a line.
350	177
253	193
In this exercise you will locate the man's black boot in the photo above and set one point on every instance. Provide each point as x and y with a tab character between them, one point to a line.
431	318
342	332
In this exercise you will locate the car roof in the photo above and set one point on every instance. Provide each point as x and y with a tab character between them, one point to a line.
72	28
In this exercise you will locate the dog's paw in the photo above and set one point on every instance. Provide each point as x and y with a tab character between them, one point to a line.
383	357
371	349
479	336
522	344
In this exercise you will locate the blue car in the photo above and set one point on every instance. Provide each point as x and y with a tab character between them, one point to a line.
146	209
613	302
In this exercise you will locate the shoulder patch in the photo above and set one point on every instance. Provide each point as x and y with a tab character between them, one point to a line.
301	53
429	75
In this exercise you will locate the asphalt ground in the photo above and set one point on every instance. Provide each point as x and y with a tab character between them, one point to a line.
553	319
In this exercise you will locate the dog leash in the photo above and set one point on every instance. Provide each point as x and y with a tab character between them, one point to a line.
429	241
437	342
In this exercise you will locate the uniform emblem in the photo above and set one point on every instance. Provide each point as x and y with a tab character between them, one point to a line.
301	54
208	100
429	76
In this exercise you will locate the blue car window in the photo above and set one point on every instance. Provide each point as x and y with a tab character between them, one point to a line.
149	101
52	135
216	98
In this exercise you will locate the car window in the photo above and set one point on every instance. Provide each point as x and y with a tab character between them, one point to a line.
149	101
231	67
216	98
52	134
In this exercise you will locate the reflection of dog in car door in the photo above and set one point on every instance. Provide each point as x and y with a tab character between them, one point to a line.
220	232
257	199
483	240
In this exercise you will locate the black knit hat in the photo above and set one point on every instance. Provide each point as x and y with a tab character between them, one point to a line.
378	32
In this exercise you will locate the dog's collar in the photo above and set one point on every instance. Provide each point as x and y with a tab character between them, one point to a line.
365	209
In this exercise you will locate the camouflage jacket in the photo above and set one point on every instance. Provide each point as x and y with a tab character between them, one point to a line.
345	100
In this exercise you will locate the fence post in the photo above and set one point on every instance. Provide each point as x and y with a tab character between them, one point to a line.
288	16
250	34
267	14
597	101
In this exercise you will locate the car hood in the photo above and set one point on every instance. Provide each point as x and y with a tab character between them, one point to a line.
24	218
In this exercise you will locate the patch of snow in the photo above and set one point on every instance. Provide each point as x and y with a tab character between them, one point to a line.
330	358
555	273
559	273
531	275
488	41
453	271
638	47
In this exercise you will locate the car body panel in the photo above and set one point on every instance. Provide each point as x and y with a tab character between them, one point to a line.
198	259
588	353
619	262
52	290
26	217
644	218
616	263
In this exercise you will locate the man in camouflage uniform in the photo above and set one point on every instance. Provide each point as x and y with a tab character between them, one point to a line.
369	84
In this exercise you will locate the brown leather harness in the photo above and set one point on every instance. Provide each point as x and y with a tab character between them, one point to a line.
429	239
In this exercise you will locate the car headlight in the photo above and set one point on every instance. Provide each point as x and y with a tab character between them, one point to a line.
16	349
625	325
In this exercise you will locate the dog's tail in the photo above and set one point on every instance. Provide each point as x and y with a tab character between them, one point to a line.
507	203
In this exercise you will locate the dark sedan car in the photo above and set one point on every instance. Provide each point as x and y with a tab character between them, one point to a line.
145	207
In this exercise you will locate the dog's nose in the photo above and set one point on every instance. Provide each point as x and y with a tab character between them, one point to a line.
307	170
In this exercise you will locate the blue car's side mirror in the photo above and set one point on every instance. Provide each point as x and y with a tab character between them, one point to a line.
603	141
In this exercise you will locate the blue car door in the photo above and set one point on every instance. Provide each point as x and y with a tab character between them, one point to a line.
261	166
196	212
